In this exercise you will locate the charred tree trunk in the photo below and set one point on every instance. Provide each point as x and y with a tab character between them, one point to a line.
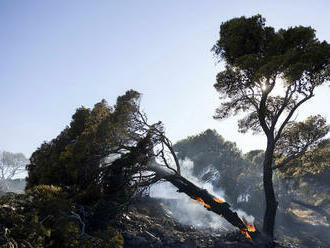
208	200
271	203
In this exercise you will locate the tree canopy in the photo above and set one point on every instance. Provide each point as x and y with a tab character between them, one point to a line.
268	75
97	154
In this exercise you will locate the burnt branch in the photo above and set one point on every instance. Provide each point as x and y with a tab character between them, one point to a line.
287	119
209	201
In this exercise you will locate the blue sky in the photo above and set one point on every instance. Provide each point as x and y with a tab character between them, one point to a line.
59	55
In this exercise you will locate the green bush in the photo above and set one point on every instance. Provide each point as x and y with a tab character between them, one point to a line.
43	217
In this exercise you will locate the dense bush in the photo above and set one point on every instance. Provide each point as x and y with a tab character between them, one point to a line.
44	217
80	182
38	218
97	155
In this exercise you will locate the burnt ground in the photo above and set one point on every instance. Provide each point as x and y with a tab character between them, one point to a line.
149	224
302	227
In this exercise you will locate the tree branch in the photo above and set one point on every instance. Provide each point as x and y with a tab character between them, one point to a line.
287	98
290	158
262	108
209	201
278	135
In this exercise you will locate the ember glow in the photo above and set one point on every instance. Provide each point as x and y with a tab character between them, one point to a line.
199	199
246	233
202	201
249	228
218	200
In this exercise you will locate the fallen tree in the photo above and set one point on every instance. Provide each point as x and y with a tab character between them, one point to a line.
209	201
110	154
168	168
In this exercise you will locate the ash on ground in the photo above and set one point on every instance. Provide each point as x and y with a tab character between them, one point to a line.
149	223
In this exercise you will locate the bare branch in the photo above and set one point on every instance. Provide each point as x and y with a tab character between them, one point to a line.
287	98
159	134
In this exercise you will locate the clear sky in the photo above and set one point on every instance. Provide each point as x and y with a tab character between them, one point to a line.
59	55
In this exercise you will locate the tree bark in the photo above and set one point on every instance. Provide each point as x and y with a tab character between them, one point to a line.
271	203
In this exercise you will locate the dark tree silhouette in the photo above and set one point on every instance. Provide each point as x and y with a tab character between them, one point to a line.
99	154
268	75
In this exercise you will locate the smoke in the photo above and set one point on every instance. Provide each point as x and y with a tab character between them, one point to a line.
189	211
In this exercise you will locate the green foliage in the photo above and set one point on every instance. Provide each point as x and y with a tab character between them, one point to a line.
97	154
268	75
260	52
241	175
43	218
81	181
110	238
38	218
256	157
256	58
302	143
208	148
240	37
51	210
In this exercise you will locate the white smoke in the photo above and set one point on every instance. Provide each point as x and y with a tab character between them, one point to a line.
189	211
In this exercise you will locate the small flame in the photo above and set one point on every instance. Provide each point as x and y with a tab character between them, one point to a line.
202	201
249	228
246	234
218	200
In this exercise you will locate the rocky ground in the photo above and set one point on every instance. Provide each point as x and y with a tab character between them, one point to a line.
148	223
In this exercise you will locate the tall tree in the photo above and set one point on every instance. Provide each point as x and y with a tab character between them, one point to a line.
268	75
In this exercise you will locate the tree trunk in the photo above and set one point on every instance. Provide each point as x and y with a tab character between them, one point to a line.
271	203
209	201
